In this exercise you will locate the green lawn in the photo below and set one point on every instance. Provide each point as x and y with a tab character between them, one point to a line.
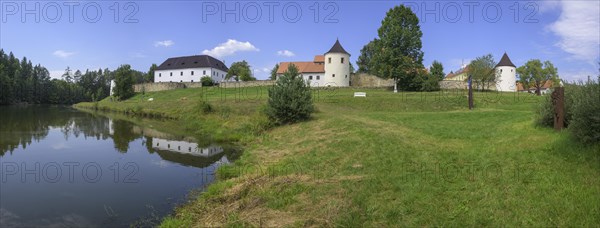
407	159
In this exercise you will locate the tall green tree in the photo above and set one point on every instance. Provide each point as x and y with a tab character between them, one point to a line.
273	75
437	70
535	73
483	73
124	80
398	54
240	71
150	75
364	62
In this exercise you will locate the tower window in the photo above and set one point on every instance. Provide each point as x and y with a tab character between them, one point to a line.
329	60
171	74
159	74
346	76
500	70
342	60
192	72
333	76
181	73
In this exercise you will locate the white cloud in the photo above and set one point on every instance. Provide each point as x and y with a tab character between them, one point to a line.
164	43
578	28
286	53
63	54
229	48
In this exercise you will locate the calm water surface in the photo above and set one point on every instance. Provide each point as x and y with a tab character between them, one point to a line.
60	167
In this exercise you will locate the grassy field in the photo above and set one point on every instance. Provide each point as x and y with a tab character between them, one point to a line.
407	159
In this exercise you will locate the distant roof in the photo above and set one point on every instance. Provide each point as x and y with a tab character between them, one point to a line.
458	72
505	61
194	61
337	48
547	84
303	67
319	59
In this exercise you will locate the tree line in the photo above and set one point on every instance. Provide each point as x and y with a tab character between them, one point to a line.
23	82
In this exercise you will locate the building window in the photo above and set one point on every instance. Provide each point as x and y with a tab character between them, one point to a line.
310	77
318	77
171	74
329	60
192	80
192	72
203	72
342	60
169	146
346	76
333	76
180	80
181	73
159	74
500	70
511	70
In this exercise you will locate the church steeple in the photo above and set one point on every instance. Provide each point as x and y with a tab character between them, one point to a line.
505	61
337	48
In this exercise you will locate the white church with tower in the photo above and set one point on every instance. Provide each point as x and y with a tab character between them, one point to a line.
329	70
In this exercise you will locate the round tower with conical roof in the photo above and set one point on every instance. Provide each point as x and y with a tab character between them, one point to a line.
337	66
507	75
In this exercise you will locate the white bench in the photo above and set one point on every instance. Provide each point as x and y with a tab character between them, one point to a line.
360	94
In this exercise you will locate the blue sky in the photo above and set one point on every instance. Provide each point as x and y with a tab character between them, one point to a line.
564	32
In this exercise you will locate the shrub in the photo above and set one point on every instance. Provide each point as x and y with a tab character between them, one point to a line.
582	111
585	123
204	107
290	99
207	81
545	114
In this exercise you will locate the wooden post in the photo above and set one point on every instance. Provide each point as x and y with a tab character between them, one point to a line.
558	101
470	93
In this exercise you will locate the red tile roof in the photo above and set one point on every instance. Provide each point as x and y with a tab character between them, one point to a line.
319	59
303	67
546	85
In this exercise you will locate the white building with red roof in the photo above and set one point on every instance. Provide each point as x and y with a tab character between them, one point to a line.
331	69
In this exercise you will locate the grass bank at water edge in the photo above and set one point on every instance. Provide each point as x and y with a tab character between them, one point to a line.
407	159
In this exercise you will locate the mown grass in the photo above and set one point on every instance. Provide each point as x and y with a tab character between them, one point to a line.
408	159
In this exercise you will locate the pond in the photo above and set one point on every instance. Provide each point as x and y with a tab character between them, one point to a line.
61	167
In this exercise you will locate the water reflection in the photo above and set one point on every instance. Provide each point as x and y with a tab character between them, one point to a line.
165	168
